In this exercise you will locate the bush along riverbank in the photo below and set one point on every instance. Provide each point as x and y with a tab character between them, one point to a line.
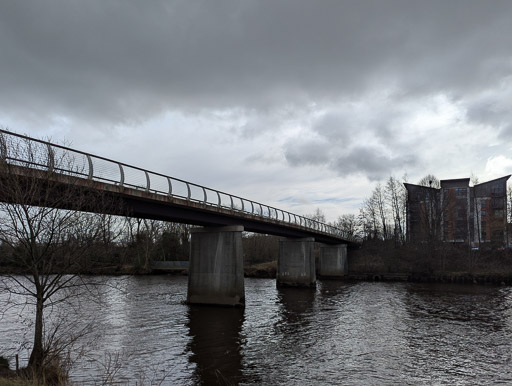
54	374
442	263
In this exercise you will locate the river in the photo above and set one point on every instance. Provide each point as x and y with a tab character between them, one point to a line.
339	333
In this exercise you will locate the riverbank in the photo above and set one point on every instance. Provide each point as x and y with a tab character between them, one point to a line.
376	261
447	263
268	271
261	270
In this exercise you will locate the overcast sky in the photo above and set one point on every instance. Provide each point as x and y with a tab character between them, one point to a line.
297	104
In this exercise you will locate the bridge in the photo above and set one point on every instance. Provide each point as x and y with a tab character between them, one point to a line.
216	258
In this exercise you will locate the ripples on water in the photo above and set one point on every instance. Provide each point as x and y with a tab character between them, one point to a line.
338	333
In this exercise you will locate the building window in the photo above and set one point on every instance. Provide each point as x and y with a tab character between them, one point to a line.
483	204
460	192
482	213
497	203
497	191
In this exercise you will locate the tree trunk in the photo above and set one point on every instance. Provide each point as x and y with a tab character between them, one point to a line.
37	354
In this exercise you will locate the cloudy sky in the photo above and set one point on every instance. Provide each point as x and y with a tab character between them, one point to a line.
295	103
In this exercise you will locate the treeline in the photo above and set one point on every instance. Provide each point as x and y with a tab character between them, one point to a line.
382	215
106	240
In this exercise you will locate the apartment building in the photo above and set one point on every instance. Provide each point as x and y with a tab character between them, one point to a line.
457	212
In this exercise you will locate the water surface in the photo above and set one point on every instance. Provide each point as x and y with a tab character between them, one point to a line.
338	333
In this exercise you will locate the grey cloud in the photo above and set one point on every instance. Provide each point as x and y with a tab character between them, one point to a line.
487	109
492	108
125	60
307	152
336	127
372	163
344	124
506	131
376	162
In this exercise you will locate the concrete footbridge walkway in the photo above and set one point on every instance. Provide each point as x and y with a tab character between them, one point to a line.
216	260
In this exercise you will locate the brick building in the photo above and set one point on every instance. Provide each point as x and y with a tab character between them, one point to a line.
458	213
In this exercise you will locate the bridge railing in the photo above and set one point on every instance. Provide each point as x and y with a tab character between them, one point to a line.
33	153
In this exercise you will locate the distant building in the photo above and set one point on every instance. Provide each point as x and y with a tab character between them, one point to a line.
457	212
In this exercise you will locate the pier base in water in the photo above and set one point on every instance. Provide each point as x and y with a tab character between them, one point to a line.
216	272
333	261
296	263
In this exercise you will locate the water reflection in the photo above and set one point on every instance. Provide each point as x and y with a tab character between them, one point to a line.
462	327
462	303
296	304
215	345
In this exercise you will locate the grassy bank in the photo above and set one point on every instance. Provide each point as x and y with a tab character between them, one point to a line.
51	374
263	270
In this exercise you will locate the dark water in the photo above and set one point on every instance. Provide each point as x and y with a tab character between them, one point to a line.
338	333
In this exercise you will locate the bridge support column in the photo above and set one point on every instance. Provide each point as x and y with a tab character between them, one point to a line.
333	261
296	263
216	271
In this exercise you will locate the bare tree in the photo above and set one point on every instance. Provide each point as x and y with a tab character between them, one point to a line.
260	248
348	223
378	209
318	215
147	234
396	197
509	214
47	234
368	218
173	242
431	181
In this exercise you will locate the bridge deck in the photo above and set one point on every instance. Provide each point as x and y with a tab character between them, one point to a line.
152	195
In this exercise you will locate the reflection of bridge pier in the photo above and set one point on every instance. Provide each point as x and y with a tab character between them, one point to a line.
215	345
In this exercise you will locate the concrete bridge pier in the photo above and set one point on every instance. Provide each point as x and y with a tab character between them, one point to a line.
296	263
333	261
216	271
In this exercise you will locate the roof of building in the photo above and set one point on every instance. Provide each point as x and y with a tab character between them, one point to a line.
406	184
462	181
496	179
457	180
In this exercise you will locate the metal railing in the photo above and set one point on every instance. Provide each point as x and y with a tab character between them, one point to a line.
33	153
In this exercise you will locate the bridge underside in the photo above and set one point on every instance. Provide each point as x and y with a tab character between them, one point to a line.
188	215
